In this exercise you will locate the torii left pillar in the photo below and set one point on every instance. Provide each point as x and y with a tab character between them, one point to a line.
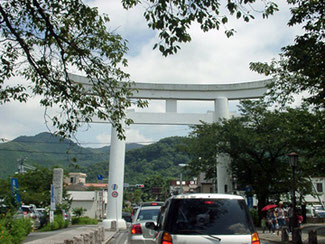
115	184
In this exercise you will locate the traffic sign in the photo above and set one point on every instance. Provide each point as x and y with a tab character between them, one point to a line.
114	194
114	187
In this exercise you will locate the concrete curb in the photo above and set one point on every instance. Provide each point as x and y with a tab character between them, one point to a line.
82	235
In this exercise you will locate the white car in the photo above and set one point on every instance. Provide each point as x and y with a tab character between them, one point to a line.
138	232
204	218
30	212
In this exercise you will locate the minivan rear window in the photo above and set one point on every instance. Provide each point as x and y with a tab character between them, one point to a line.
148	214
209	216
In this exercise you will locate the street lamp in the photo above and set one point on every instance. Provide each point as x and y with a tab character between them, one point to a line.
293	161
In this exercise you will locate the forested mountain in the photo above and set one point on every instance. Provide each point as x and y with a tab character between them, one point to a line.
161	158
48	150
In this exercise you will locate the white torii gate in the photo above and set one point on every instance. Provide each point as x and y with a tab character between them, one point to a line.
171	93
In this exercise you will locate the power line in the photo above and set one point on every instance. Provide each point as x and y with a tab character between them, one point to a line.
42	152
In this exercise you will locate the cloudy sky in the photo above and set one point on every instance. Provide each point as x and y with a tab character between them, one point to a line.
210	58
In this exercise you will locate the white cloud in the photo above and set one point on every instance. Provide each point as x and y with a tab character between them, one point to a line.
209	58
135	136
103	139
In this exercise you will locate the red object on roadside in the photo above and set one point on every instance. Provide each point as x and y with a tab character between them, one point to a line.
270	206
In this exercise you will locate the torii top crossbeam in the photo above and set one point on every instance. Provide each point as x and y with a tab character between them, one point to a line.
233	91
171	93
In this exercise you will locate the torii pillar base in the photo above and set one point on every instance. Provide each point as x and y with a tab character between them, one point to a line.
112	224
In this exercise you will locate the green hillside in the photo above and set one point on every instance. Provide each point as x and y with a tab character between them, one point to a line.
48	150
161	158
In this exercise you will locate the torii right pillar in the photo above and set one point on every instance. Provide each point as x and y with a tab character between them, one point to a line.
224	179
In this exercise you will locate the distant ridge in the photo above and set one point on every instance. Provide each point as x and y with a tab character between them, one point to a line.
47	150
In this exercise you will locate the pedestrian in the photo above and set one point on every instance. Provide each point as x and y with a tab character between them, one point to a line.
274	221
263	223
280	212
269	220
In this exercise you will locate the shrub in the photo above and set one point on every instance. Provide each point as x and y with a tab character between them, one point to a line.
78	212
20	228
84	221
5	236
58	223
59	220
66	223
13	231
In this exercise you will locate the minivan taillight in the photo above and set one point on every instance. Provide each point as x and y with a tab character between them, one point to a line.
136	229
166	238
255	238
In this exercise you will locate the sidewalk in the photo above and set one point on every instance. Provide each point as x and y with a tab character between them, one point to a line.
74	234
304	235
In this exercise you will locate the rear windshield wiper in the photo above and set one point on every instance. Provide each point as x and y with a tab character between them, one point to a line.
201	233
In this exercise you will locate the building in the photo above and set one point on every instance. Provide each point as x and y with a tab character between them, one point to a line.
187	186
318	188
94	200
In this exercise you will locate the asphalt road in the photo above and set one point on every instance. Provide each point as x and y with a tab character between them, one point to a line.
120	237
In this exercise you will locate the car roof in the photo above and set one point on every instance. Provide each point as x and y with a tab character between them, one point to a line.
149	207
207	195
151	204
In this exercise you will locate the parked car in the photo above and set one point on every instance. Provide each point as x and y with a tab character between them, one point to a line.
138	232
315	211
204	218
154	203
319	211
44	216
29	211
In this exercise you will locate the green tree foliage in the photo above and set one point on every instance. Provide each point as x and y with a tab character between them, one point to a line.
13	230
78	212
258	143
34	188
172	19
43	41
301	66
35	185
134	196
155	182
161	158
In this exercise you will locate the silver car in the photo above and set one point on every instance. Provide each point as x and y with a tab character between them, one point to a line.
138	232
29	212
204	218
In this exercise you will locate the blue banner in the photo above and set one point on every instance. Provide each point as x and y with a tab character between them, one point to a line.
15	190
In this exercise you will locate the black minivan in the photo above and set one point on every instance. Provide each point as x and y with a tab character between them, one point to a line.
204	218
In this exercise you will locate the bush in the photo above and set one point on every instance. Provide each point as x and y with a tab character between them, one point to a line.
20	228
14	231
58	223
78	212
5	236
59	220
84	221
66	223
